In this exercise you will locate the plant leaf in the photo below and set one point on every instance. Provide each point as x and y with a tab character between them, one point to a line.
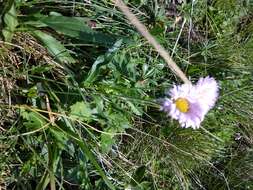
88	152
33	119
107	140
81	111
100	61
11	22
76	27
54	47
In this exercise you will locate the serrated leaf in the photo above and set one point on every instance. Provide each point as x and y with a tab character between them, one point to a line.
54	47
76	27
107	140
118	121
33	119
134	109
60	138
81	111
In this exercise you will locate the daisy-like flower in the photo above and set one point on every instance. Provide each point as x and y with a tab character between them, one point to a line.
190	103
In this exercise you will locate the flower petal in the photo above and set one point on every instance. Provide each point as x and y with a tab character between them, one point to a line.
201	98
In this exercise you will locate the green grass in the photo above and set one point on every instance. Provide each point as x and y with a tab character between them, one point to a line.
80	91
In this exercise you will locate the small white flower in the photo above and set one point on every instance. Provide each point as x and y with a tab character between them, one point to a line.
190	103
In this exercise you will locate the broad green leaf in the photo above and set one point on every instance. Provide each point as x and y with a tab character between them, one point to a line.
107	140
134	108
10	20
33	119
8	34
76	27
81	111
116	123
32	92
37	24
54	47
60	138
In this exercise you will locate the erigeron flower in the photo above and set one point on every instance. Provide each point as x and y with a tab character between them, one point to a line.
190	103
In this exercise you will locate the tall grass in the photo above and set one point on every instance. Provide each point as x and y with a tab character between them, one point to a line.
80	90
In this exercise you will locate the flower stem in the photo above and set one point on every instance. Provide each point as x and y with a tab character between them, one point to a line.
145	33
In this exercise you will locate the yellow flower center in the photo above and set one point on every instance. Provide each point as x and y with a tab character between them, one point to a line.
182	104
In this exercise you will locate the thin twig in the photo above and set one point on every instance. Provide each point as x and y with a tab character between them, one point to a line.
178	37
144	32
51	116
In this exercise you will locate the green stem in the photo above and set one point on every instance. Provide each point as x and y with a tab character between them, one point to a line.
52	181
51	167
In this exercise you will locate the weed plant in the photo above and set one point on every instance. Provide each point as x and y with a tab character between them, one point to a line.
80	91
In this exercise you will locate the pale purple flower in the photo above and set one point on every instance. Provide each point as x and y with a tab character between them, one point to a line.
190	103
